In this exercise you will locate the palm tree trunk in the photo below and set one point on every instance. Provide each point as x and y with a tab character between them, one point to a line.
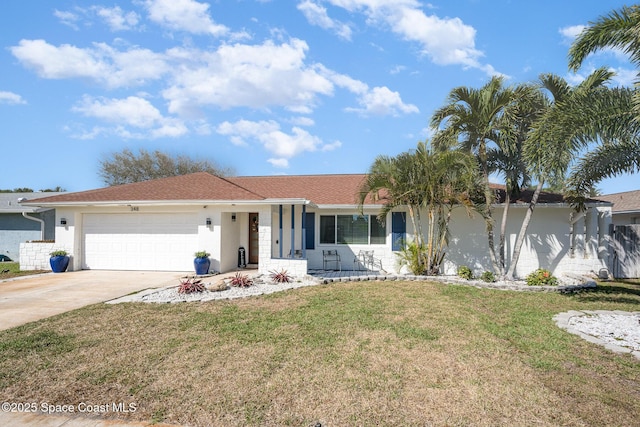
503	232
488	217
430	238
523	231
414	214
444	230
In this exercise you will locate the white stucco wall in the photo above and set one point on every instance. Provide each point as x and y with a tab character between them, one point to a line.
553	241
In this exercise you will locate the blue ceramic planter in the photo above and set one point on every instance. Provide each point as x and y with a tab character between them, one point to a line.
59	263
202	265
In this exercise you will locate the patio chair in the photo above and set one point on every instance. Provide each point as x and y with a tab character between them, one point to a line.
331	257
369	261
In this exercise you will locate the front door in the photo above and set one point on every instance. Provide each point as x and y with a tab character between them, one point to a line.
254	238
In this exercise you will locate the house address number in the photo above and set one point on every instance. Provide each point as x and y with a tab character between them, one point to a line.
135	208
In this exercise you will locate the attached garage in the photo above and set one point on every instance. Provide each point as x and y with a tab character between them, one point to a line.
137	241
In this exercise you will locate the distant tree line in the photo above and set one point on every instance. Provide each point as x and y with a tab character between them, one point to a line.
30	190
126	166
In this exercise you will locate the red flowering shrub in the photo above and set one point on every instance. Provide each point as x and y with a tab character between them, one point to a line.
541	277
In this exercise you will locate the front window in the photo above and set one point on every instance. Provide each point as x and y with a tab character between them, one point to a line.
352	230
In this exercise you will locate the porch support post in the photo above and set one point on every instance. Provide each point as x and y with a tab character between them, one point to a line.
304	231
280	231
592	233
293	231
604	224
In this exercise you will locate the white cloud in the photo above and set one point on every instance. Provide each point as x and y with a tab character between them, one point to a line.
625	77
380	101
317	15
116	18
447	41
268	133
130	112
397	69
279	163
184	15
11	98
252	76
133	111
101	63
67	18
302	121
570	33
333	146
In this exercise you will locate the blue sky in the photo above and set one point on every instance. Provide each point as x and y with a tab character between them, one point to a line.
264	87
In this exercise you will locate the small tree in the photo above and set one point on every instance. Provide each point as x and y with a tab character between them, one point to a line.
435	181
126	167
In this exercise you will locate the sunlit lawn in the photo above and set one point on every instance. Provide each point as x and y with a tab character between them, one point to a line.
365	353
9	270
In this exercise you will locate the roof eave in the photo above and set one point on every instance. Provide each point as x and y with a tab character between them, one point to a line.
167	202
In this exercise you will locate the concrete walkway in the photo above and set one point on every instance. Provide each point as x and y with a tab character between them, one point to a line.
32	298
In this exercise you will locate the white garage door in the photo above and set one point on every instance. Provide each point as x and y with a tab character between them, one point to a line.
164	242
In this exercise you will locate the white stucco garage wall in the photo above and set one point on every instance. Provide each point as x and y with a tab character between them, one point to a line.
72	235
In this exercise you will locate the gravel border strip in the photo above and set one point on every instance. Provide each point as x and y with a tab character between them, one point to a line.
563	320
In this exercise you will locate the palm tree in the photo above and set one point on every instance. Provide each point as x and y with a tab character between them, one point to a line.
471	119
436	181
564	127
394	181
619	29
450	179
507	157
619	151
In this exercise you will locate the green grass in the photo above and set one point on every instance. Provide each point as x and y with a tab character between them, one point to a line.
12	269
364	353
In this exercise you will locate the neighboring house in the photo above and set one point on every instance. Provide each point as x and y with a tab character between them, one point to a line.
160	224
625	253
626	207
20	223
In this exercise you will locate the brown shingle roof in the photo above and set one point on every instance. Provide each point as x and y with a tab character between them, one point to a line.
196	186
629	201
320	189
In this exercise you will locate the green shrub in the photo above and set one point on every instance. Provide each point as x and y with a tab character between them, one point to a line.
541	277
58	252
202	254
465	272
410	255
488	276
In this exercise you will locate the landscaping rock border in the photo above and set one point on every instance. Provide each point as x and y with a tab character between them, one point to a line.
618	331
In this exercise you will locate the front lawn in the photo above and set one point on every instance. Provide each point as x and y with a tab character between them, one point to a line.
9	270
363	353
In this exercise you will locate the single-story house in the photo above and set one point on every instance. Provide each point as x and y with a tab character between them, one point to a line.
288	222
626	207
20	223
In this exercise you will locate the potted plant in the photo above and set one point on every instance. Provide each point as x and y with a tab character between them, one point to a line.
59	261
202	262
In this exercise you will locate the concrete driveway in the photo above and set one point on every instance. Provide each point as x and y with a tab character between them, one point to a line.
27	299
